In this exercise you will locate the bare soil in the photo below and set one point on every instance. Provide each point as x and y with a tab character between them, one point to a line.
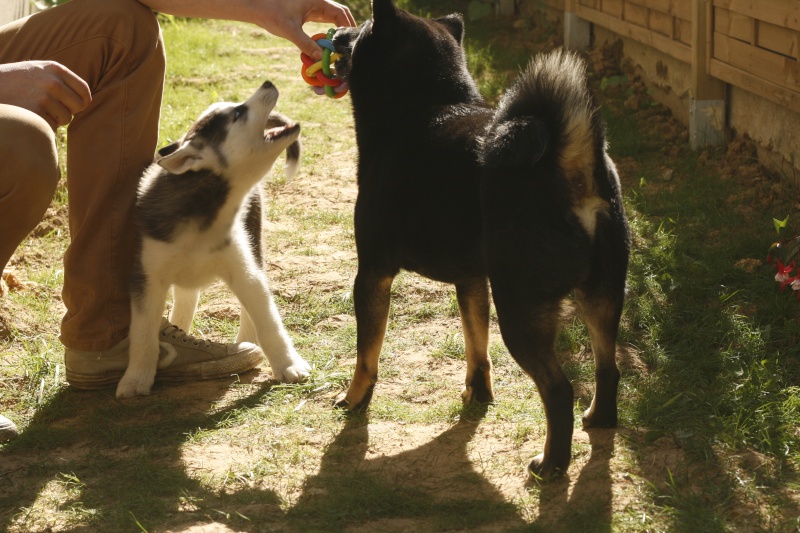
616	470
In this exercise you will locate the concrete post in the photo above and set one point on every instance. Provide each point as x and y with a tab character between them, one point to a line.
707	104
577	32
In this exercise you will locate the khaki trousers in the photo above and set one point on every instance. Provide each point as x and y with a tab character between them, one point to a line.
116	47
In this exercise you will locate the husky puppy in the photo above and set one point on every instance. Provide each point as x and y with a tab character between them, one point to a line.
198	212
524	196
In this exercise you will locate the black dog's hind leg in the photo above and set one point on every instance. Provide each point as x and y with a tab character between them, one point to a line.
371	296
473	303
528	326
601	313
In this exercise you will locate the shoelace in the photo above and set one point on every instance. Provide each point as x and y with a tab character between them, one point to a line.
176	333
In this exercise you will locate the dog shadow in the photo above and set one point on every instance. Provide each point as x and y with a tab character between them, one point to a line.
586	503
413	490
83	448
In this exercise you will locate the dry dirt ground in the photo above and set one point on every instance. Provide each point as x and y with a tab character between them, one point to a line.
463	460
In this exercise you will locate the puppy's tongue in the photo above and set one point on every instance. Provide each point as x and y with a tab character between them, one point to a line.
274	133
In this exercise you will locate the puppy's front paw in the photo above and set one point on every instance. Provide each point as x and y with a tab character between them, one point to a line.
297	371
131	386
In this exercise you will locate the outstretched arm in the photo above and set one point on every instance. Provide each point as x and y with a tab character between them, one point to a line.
284	18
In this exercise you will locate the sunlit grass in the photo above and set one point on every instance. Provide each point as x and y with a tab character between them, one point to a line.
713	374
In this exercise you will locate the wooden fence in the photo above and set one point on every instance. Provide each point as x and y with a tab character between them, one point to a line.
665	25
750	44
755	47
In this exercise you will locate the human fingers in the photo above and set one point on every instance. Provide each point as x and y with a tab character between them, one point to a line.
72	91
333	12
330	12
306	44
55	113
343	16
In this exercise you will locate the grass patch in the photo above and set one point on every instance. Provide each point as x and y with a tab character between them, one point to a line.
709	399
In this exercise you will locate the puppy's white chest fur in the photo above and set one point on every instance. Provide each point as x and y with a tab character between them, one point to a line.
197	257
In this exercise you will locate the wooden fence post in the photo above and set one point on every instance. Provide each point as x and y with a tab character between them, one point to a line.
707	102
577	32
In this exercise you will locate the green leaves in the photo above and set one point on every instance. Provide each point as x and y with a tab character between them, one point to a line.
780	224
613	81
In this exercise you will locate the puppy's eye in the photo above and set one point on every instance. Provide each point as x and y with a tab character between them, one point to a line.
239	112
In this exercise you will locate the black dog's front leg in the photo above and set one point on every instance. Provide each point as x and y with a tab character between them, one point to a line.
473	303
371	296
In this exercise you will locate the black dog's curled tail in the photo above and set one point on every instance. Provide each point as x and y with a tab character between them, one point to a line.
548	129
549	110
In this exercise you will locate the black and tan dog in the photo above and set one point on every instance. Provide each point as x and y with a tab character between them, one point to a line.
524	195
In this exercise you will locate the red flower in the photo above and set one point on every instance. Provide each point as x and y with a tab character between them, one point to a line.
783	271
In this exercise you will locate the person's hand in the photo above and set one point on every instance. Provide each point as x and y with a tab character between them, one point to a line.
47	88
285	18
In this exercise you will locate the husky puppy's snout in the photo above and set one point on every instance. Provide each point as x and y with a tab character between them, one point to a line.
236	139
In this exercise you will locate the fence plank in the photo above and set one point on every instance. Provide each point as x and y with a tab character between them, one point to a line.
761	63
784	13
677	8
777	39
683	31
770	91
612	7
661	23
636	14
733	24
671	47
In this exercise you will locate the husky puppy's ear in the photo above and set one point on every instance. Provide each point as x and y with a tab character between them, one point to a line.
454	24
180	159
168	149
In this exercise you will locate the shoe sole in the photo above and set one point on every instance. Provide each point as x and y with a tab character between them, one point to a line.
205	370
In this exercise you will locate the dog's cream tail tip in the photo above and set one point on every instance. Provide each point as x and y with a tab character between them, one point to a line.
291	169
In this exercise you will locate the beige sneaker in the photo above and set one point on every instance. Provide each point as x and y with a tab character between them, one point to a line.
182	358
8	429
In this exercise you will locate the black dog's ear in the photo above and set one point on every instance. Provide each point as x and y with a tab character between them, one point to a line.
454	24
168	149
383	11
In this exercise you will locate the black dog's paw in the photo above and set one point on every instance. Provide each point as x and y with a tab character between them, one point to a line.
349	402
598	419
540	470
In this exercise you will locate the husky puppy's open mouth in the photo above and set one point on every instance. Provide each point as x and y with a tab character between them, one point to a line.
275	133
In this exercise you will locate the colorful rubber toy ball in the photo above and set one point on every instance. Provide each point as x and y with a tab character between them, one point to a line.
320	74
